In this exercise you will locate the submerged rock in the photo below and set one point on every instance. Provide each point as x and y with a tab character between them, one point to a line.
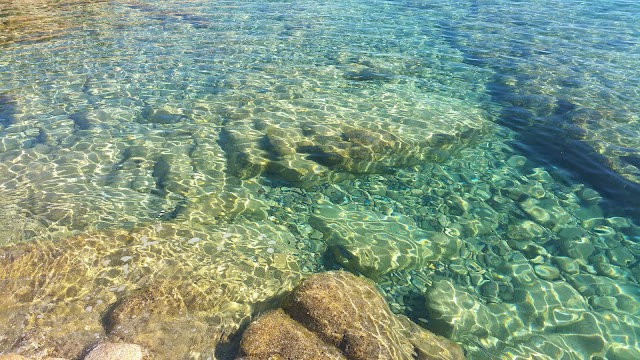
276	335
160	116
304	145
544	317
546	212
347	313
375	244
113	351
20	357
166	287
575	242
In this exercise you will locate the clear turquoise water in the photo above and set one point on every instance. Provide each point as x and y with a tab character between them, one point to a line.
479	160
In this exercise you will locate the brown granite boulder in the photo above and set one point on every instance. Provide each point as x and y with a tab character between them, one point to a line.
276	335
347	313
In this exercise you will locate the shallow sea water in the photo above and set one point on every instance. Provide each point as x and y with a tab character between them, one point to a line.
478	160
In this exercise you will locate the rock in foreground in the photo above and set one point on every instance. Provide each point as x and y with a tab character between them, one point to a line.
170	289
113	351
352	320
291	340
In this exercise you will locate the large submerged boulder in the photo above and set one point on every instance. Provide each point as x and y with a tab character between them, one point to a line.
373	244
352	320
306	145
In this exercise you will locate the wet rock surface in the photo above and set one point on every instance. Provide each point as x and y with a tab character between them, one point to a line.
496	242
347	313
276	335
116	351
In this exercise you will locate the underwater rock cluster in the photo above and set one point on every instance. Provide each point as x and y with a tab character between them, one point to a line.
113	290
244	172
171	289
542	269
336	315
497	255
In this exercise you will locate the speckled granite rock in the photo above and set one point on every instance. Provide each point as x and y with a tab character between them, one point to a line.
113	351
275	334
348	313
